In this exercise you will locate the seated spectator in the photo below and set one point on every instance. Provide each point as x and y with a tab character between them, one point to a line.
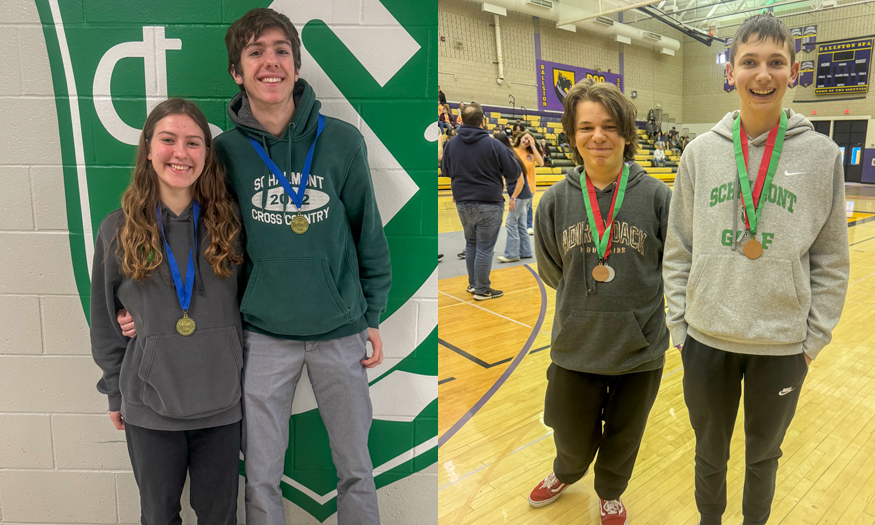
518	127
563	146
545	152
659	156
459	116
443	119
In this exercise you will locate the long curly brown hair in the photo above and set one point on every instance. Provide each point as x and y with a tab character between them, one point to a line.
140	246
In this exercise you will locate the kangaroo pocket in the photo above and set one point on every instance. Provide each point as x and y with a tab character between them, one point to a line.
742	300
194	376
600	342
295	296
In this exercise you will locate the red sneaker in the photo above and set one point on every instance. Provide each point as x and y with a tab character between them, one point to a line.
613	512
547	491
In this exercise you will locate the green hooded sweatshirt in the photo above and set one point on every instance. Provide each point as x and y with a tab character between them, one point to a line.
333	280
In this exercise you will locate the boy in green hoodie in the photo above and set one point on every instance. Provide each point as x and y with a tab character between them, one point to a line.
756	268
317	266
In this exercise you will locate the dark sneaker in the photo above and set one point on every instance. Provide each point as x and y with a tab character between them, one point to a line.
440	257
490	294
462	255
471	289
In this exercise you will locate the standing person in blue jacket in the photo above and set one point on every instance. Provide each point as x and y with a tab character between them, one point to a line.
317	269
171	256
476	164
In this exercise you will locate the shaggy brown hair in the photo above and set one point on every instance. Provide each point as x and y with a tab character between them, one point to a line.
621	110
140	246
250	27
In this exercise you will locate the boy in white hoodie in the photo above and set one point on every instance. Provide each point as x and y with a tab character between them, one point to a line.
756	268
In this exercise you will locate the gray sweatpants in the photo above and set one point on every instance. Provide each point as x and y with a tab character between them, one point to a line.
272	368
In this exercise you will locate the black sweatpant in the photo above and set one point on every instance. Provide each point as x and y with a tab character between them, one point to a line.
161	458
577	403
712	389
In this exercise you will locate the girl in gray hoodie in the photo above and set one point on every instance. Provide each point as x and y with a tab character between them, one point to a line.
171	257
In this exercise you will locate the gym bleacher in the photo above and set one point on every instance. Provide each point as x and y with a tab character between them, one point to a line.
549	129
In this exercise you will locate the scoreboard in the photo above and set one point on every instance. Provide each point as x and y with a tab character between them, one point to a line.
843	66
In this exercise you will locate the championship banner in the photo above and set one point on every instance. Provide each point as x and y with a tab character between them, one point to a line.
806	73
797	38
554	80
843	66
809	37
112	63
727	87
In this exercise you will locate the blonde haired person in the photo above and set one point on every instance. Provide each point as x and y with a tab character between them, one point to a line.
171	256
599	242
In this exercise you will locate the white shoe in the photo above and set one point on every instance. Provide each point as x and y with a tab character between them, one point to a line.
502	258
531	231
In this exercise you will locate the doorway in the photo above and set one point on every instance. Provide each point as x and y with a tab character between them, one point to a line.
850	135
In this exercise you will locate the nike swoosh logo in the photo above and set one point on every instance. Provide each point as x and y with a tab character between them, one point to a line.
787	173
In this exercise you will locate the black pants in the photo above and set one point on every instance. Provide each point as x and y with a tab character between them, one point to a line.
712	389
160	458
577	403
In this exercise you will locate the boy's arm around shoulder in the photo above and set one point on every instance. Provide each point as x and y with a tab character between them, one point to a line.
375	267
829	269
548	253
107	342
678	253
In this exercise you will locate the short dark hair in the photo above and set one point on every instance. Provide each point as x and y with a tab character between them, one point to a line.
765	26
250	27
620	108
473	114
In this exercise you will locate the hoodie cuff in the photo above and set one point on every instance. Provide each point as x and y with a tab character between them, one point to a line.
813	345
115	402
679	334
372	317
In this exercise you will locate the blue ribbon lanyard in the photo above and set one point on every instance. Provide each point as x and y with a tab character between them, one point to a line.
296	196
183	292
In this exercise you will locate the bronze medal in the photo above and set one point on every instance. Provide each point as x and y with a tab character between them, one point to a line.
300	225
185	326
601	273
753	249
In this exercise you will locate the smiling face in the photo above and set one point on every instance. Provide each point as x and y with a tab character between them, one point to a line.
267	69
177	151
598	139
761	72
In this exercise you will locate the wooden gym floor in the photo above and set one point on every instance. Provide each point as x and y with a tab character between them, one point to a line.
493	357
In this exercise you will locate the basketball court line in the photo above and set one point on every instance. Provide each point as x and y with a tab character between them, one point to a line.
498	314
510	369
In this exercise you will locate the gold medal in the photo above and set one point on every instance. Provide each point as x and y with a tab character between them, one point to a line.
300	224
753	249
185	326
601	273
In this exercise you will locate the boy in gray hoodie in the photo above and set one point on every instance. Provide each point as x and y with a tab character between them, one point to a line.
756	268
599	242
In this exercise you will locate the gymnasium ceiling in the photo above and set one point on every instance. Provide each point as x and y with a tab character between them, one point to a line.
699	14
